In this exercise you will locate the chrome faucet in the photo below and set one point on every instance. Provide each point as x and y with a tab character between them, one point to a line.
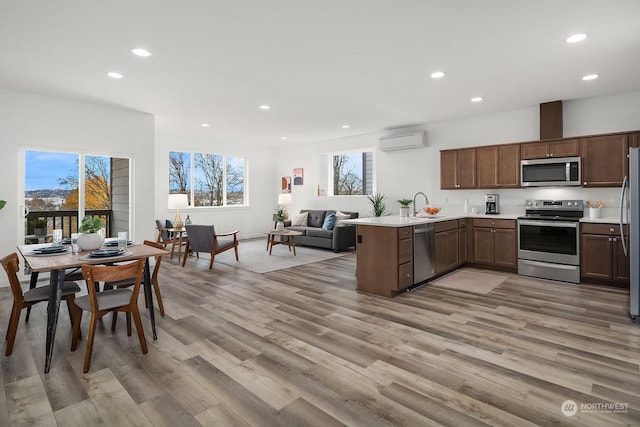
426	200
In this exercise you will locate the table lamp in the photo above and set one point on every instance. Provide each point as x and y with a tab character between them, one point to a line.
177	201
284	199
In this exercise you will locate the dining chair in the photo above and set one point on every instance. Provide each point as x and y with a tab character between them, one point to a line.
115	300
131	282
203	238
11	265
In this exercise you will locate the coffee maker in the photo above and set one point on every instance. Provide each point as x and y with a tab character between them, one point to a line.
491	206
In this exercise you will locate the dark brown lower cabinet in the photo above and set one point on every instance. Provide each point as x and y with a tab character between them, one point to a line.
494	243
602	257
446	246
384	259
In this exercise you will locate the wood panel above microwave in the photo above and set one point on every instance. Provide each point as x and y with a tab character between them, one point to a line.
605	161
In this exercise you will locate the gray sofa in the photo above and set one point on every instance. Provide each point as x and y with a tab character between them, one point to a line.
342	236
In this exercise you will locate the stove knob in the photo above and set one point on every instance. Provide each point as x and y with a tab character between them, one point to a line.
569	203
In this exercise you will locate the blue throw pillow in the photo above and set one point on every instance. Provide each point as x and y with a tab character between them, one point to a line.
168	223
329	221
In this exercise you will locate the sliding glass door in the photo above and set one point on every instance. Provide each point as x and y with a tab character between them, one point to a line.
61	188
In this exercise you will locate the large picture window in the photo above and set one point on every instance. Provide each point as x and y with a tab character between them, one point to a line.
351	173
208	179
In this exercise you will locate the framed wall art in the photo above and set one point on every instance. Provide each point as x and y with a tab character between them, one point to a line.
286	184
298	176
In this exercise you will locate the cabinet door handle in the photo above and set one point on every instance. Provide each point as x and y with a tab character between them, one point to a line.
584	183
615	240
610	239
611	230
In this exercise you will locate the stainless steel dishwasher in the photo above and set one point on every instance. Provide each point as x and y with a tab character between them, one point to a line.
424	242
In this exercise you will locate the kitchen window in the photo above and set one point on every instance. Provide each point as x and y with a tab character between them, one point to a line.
351	173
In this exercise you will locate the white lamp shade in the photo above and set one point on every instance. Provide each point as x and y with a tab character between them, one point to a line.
178	201
284	199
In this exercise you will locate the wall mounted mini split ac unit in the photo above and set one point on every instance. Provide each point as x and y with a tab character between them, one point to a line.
404	141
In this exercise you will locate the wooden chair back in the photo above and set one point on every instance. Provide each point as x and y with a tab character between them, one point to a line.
95	274
11	265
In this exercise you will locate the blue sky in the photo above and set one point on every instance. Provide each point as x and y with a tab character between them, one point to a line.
43	169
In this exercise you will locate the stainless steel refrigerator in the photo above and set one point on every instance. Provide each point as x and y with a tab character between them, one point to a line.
630	210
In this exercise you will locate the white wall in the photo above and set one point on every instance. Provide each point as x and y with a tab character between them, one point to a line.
401	174
251	221
40	122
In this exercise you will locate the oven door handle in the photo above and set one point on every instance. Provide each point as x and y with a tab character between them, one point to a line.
549	223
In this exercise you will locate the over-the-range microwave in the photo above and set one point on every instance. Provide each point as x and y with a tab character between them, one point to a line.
550	172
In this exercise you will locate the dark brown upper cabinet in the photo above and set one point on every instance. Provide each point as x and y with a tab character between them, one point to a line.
604	160
498	166
552	148
458	169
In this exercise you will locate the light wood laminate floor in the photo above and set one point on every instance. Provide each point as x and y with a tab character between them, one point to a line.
301	347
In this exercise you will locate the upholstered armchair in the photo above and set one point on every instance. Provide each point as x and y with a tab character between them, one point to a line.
203	238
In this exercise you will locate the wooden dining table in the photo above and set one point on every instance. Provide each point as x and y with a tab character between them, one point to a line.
57	264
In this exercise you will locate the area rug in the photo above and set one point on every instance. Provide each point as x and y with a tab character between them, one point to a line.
470	281
254	256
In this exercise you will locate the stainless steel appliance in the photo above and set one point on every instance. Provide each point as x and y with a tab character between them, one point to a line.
630	205
424	249
549	240
550	172
491	204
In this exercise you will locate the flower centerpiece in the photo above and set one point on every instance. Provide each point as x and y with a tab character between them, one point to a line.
90	237
280	217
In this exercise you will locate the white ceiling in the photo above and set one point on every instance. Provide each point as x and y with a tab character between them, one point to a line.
318	64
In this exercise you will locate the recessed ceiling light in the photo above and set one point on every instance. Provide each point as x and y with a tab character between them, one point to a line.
264	107
476	99
114	75
575	38
283	137
205	125
590	77
437	75
138	51
346	126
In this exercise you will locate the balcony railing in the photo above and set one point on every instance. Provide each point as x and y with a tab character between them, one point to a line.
66	220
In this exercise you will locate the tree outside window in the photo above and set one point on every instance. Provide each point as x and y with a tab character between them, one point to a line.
352	174
216	180
179	176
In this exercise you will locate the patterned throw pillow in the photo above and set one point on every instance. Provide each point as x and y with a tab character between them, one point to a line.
300	220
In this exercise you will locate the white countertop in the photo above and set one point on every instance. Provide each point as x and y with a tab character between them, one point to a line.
605	219
398	221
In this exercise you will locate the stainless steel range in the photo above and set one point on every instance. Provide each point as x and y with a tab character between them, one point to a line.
549	239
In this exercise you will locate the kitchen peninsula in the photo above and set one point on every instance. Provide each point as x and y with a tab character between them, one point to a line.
394	253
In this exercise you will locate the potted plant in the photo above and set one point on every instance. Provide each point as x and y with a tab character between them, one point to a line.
39	226
2	203
280	217
404	207
378	204
88	237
